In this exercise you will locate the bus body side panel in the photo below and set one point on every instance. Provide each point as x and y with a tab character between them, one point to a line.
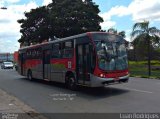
35	65
46	66
59	67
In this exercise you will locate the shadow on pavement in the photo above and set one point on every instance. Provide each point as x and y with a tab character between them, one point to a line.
83	92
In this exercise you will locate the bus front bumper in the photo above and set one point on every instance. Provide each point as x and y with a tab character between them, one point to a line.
100	82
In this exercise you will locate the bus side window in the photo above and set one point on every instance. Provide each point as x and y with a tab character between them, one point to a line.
33	54
67	51
28	54
39	52
56	51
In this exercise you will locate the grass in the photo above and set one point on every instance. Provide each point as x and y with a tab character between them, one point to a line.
140	69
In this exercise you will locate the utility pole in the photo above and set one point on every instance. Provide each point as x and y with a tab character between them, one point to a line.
4	8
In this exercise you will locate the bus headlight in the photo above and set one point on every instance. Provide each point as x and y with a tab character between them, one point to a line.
102	75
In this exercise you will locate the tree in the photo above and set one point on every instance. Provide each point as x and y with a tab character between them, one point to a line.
142	31
122	33
112	30
61	18
156	42
76	17
35	28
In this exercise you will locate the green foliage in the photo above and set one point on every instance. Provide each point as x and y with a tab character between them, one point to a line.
142	32
158	50
35	28
153	62
61	18
122	33
156	42
112	30
139	69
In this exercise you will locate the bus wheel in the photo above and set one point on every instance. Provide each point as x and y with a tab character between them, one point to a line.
71	83
29	75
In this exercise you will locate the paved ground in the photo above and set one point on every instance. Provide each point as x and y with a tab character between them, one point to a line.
139	95
10	106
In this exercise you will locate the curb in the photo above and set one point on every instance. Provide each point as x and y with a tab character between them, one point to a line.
12	107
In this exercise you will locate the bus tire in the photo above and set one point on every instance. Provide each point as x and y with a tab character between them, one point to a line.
71	83
29	75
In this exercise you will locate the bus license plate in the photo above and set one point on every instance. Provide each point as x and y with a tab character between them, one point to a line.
116	79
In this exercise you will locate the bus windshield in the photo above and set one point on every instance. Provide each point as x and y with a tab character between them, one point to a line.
111	52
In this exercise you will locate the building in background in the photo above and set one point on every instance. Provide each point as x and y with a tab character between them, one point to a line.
6	57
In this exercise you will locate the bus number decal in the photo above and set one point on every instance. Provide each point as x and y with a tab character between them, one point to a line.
69	65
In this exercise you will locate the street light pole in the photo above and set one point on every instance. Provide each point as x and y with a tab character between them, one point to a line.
4	8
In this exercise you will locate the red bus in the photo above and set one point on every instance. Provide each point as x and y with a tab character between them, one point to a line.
15	56
91	59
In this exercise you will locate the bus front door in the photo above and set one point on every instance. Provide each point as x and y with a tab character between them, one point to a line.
46	64
83	64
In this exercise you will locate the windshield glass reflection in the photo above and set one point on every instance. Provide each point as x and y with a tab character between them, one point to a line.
112	55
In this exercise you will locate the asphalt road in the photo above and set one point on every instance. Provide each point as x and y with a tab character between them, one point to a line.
138	95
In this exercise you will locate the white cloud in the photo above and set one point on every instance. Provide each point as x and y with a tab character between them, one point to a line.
108	24
10	1
46	2
145	9
139	10
117	10
128	31
9	33
1	3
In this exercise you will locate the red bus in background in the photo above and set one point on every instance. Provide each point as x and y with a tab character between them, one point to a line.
91	59
15	60
15	56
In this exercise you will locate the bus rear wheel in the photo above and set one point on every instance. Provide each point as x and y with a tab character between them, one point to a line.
29	75
71	83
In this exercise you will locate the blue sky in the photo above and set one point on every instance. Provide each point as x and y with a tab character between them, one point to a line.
118	14
106	5
124	13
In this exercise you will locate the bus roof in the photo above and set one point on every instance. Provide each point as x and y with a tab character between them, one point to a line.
64	39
